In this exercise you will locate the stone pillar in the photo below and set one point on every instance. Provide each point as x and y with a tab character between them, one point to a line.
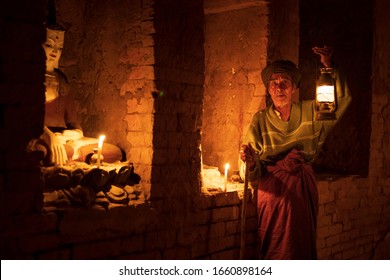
21	105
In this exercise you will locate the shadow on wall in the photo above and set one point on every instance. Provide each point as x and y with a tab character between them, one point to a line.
348	28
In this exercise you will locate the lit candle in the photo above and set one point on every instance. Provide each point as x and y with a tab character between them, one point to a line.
227	165
100	145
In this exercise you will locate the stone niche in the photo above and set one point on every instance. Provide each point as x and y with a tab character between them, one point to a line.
133	84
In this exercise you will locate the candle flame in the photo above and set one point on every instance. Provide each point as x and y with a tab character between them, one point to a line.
227	165
101	139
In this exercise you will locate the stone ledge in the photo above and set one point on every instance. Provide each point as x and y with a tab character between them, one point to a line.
86	186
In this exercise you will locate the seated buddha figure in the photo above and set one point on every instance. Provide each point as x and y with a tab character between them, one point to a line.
63	134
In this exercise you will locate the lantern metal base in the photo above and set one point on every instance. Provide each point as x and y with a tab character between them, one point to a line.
325	116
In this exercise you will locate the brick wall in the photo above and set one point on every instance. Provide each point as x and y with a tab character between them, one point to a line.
21	106
353	219
352	224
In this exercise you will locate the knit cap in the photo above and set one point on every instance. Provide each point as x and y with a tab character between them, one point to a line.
281	66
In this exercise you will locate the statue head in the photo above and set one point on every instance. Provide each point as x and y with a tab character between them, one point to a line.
53	45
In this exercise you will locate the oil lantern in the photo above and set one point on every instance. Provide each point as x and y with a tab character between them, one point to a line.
325	95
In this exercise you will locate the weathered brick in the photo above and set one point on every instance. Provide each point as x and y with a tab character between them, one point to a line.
97	250
324	220
59	254
324	253
202	217
341	247
41	242
321	244
140	139
348	204
139	122
147	255
18	203
219	244
141	72
358	192
199	249
140	105
348	235
348	225
193	235
132	244
339	216
181	253
229	254
364	240
227	199
329	208
225	214
332	240
341	194
371	230
329	230
22	180
88	222
160	240
217	230
352	254
141	155
140	56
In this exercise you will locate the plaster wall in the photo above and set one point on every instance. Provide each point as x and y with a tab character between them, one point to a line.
236	39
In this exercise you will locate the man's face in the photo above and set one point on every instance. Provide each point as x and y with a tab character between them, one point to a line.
53	46
281	89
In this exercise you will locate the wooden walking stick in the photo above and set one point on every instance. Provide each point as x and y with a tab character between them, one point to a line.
243	214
